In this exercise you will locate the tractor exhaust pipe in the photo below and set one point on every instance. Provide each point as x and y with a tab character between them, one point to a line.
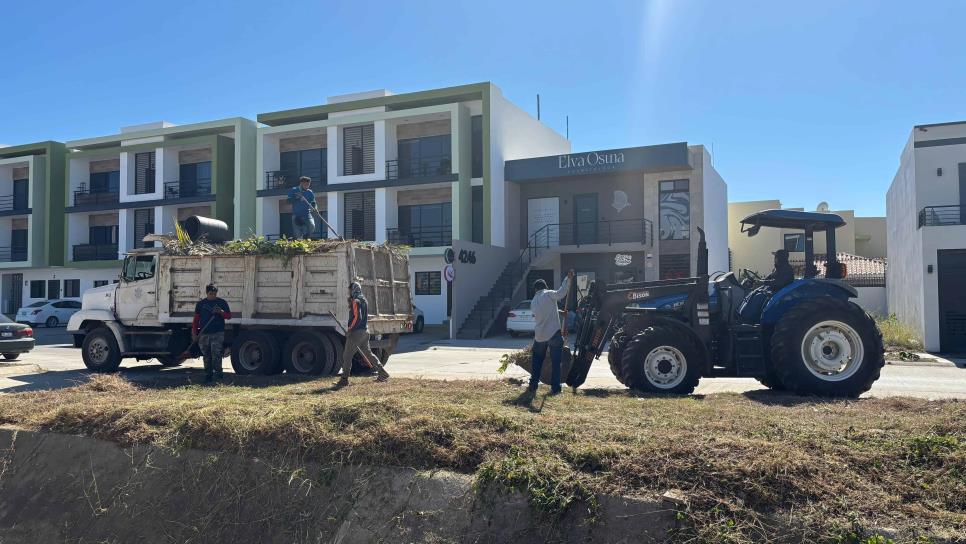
702	254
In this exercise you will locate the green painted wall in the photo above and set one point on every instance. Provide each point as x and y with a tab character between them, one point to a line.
246	177
46	200
223	167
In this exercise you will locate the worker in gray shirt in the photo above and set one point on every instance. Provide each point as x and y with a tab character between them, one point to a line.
546	331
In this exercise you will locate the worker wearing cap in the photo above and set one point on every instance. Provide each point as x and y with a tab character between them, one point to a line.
782	275
303	205
357	337
208	329
546	331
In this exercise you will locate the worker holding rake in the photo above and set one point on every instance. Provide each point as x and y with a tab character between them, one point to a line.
208	330
357	337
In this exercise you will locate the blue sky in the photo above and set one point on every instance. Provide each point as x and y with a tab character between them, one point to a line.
803	102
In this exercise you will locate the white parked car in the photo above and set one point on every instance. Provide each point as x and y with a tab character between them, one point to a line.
48	312
419	321
520	320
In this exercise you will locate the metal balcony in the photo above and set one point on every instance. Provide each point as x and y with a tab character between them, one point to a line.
423	167
90	197
280	179
421	237
14	202
640	231
942	216
12	254
187	188
95	252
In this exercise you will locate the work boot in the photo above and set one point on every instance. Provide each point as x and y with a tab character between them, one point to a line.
343	381
383	378
209	379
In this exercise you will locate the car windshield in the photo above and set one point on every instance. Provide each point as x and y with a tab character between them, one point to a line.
525	305
39	304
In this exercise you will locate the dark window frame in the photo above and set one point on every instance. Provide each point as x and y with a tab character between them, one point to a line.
297	168
38	293
429	283
71	288
364	162
799	245
670	187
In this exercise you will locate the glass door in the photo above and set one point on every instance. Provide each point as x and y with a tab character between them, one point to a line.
585	219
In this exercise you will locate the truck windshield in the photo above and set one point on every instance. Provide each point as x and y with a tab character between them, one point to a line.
139	267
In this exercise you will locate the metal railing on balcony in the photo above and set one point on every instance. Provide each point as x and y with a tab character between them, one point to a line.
187	188
94	196
941	216
14	202
421	236
95	252
281	179
12	254
423	167
638	231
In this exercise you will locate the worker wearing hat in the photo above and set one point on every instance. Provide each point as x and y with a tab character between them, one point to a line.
783	274
208	329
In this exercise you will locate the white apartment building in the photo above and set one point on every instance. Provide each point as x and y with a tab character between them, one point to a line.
926	217
425	169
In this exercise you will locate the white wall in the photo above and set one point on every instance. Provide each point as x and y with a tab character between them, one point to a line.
473	280
715	215
86	277
872	300
514	134
433	306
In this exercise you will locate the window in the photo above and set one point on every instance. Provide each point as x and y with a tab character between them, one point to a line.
100	283
20	194
144	169
105	182
675	210
18	245
53	289
143	225
195	179
476	129
795	242
140	267
422	157
103	235
360	216
71	288
426	225
358	150
307	162
38	289
429	283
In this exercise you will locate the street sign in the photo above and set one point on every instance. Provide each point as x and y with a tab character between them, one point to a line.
449	273
449	255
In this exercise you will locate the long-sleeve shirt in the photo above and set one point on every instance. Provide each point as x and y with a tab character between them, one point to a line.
782	275
205	313
358	313
544	308
299	206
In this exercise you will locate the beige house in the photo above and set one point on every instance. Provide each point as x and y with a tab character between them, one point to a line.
862	236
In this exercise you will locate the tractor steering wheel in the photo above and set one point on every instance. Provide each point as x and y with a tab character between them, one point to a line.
749	277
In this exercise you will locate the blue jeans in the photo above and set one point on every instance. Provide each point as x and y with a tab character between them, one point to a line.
303	227
539	353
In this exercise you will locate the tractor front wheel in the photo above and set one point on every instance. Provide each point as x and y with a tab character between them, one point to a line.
662	359
827	347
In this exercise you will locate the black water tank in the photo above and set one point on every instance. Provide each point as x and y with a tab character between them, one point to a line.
212	230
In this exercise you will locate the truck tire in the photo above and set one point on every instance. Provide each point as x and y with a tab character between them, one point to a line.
828	347
100	351
338	346
614	353
662	359
308	353
255	352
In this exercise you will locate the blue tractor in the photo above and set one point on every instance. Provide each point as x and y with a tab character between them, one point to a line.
804	335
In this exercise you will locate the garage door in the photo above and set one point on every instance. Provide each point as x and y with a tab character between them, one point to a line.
952	300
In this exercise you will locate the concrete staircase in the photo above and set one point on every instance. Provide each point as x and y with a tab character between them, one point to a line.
491	307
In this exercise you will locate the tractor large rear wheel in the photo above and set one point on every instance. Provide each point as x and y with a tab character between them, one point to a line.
662	359
828	347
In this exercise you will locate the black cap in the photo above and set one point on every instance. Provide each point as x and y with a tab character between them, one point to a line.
211	288
780	253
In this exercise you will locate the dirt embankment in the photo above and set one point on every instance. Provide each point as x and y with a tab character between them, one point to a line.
62	488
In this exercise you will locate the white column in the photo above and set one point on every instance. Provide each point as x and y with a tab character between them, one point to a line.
159	221
125	231
381	213
126	179
335	212
379	141
333	153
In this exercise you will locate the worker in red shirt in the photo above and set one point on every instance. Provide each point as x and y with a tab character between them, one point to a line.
208	329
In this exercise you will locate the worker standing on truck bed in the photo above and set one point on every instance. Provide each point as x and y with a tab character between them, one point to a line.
546	331
303	203
357	337
208	329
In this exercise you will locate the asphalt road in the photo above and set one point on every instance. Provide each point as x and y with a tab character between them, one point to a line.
429	355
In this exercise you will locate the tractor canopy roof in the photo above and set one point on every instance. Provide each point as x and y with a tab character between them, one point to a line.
790	219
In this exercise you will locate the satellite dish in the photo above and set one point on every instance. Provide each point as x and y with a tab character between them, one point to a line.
822	207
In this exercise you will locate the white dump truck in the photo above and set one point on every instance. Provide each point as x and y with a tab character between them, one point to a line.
287	312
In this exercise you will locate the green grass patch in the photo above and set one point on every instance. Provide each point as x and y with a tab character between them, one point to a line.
897	336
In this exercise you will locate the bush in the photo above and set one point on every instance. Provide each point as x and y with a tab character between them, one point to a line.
898	335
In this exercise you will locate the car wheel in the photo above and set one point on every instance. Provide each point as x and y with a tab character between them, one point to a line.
10	356
418	327
100	351
52	322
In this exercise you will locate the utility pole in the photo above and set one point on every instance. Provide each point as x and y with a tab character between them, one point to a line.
538	106
568	127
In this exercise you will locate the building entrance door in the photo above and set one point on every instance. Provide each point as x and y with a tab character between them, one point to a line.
12	298
952	300
585	219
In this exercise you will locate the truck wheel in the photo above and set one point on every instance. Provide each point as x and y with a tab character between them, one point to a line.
255	352
614	353
418	326
100	351
338	346
827	347
308	353
662	359
10	356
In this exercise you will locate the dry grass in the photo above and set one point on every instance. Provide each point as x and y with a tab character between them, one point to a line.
897	336
830	470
